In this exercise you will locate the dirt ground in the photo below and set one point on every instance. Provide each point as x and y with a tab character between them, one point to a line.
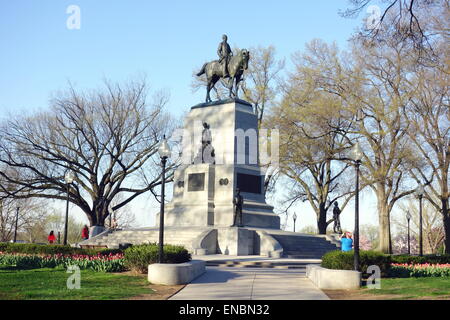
160	292
357	295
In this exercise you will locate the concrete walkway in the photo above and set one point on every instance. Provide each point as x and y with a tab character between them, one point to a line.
222	283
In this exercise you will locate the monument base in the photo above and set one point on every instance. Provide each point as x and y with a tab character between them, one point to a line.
235	241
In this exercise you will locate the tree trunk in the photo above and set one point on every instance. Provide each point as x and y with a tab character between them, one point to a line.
446	219
322	219
384	221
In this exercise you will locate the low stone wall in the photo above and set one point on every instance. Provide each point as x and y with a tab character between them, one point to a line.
267	245
333	279
173	274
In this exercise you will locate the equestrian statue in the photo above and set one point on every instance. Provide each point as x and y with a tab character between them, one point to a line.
229	68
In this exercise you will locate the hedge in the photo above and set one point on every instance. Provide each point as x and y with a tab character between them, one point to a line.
340	260
432	259
32	248
138	257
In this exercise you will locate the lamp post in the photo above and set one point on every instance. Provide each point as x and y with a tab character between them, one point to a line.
408	218
295	218
419	192
164	153
68	178
357	155
17	221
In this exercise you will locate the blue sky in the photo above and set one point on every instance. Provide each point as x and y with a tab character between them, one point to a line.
164	40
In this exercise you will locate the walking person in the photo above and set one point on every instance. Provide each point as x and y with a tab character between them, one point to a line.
51	237
85	233
346	242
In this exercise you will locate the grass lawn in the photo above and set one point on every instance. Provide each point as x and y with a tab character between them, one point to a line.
434	288
412	288
50	284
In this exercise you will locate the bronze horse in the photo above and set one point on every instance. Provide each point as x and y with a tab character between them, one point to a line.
236	67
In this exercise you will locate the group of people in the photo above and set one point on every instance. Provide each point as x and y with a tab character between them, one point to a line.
84	235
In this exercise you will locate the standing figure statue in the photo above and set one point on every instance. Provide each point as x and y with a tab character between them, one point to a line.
225	54
238	202
230	68
207	148
337	222
206	152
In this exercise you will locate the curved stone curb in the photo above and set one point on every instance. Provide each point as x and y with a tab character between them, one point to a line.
173	274
269	246
333	279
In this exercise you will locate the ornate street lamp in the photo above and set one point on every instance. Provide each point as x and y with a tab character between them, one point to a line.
17	221
408	218
357	155
419	193
164	153
295	218
68	178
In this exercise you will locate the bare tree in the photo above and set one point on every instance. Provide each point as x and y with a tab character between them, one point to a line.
108	138
261	79
125	218
402	19
432	226
17	215
429	118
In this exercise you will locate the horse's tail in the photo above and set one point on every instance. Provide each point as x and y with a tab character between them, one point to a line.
202	71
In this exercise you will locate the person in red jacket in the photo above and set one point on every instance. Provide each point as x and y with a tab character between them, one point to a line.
85	233
51	237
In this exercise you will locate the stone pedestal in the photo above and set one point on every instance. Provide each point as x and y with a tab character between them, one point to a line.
203	192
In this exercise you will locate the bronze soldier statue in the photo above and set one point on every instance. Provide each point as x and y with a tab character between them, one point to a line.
225	54
337	222
238	202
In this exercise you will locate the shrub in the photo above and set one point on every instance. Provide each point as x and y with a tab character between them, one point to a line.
340	260
138	257
432	259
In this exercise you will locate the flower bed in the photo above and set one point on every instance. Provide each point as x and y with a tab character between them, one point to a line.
100	263
404	270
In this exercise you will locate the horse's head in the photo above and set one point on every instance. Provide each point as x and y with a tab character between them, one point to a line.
245	58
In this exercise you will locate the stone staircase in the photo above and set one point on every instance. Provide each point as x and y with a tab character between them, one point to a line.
181	236
294	245
259	215
302	246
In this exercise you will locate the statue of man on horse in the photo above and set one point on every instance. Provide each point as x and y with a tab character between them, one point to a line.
230	69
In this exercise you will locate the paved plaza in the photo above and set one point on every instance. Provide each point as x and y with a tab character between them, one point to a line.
243	283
